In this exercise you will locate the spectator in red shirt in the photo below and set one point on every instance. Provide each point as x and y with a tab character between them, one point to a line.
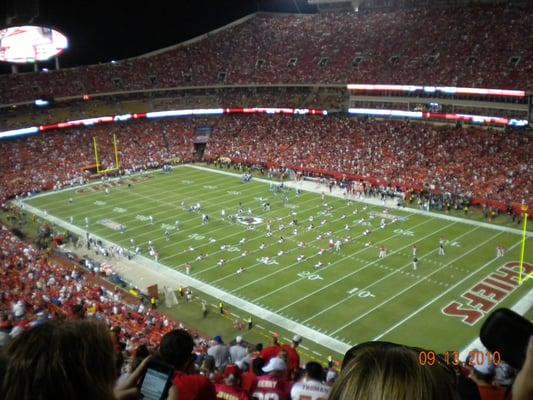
230	388
176	348
293	357
273	350
249	378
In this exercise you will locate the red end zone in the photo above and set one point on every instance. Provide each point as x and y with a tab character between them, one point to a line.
483	297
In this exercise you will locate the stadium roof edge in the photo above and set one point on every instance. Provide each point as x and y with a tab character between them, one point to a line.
197	38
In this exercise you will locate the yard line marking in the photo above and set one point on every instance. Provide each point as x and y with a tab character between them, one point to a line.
412	285
442	294
360	269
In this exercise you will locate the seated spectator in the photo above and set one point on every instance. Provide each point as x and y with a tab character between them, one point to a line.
384	371
274	384
311	387
64	360
483	374
176	349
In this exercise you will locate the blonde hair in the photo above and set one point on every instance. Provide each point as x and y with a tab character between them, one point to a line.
385	371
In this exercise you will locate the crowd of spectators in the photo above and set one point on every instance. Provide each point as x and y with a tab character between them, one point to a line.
52	160
474	47
473	162
492	167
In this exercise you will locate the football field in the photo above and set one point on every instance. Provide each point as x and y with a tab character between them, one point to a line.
318	272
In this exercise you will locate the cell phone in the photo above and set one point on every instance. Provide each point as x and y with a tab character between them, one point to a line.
508	333
156	382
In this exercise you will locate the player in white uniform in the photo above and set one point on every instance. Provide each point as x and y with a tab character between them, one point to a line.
223	214
311	386
414	251
382	252
441	247
151	219
262	246
415	263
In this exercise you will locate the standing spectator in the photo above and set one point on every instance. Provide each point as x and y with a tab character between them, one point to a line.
311	387
273	350
238	351
176	349
293	357
219	351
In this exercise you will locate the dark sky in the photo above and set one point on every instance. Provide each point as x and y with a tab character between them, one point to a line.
101	31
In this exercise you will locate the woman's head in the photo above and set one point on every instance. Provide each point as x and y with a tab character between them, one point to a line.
382	371
60	360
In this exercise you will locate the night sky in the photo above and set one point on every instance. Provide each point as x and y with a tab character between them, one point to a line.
101	31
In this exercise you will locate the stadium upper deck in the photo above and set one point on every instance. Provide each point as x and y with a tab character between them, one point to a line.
476	47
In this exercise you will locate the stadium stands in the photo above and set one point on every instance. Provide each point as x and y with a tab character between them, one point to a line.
473	47
54	160
487	165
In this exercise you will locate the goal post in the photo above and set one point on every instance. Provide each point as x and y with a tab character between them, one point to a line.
116	164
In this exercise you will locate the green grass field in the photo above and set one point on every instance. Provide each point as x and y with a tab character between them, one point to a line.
353	296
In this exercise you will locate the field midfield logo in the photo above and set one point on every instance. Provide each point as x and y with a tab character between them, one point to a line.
485	295
100	203
248	220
